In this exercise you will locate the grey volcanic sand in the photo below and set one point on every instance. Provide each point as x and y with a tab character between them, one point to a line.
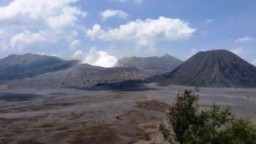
59	115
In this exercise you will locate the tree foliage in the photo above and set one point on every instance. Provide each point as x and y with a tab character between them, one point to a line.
186	124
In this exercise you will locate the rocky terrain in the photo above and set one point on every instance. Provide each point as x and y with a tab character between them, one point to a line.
84	104
82	75
216	68
47	71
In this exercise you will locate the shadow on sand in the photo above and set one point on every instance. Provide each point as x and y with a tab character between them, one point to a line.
130	85
9	97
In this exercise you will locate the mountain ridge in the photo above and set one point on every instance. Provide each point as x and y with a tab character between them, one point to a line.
215	68
154	64
29	65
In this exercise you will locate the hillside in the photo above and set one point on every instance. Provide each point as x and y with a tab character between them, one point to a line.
216	68
153	65
83	75
29	65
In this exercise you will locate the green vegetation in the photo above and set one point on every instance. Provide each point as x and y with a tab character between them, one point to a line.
186	124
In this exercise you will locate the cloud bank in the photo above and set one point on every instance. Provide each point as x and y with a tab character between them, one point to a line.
138	2
153	29
244	39
30	22
54	14
113	13
96	58
26	37
144	32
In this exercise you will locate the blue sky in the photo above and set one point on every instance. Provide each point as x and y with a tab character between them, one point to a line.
100	32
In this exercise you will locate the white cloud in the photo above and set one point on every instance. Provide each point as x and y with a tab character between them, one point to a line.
100	58
113	13
32	21
123	1
209	21
149	30
95	32
26	37
138	1
54	13
3	46
254	62
96	58
78	55
74	44
2	33
244	39
242	52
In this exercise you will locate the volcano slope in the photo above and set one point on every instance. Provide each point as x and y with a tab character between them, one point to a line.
29	65
215	68
153	65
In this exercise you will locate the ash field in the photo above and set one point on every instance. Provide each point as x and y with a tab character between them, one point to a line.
47	100
75	116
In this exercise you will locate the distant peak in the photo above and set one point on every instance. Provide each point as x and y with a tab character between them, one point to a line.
219	53
166	56
23	55
29	54
216	51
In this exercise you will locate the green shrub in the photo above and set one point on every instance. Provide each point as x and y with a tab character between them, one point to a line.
186	124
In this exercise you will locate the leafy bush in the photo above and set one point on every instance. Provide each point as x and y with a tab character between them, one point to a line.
186	124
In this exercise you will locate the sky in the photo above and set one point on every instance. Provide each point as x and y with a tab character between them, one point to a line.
100	32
